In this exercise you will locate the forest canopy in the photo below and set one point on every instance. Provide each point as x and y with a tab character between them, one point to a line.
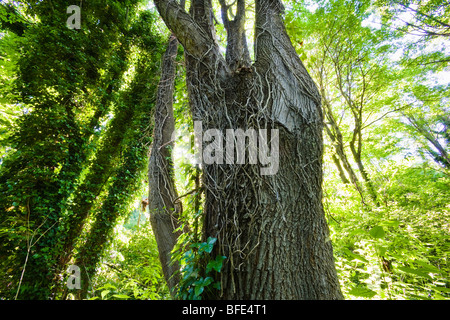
101	193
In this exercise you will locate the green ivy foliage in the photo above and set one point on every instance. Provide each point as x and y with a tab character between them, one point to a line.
198	270
66	81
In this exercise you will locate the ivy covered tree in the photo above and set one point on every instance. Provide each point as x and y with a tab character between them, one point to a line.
68	83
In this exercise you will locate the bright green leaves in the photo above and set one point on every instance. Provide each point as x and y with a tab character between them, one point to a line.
105	293
417	272
66	85
388	85
356	256
362	292
377	232
109	292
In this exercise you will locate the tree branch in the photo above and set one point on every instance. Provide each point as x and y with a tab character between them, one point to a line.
193	38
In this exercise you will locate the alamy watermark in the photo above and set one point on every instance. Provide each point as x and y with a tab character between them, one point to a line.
74	280
74	21
214	146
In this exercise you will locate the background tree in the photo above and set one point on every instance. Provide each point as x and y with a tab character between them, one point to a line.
352	68
66	87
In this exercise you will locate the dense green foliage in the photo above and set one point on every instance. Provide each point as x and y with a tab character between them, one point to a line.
64	149
76	111
385	98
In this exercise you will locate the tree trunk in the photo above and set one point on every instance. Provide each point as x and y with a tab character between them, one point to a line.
269	221
356	152
341	172
336	138
164	211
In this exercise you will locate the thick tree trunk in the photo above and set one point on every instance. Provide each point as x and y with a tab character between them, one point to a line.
269	224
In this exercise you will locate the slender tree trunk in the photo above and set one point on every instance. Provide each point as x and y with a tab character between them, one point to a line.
356	152
164	210
341	172
271	227
442	158
338	142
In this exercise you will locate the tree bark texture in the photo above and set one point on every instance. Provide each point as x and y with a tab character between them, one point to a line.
271	228
164	210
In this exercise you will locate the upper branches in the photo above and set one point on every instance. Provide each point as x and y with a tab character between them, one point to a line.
237	54
428	19
188	30
225	10
12	20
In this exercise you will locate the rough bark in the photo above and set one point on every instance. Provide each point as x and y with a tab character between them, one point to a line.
163	208
271	228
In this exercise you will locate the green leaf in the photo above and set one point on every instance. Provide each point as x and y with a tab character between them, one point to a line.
427	267
207	281
207	246
121	296
198	290
390	223
416	272
381	251
215	264
355	255
104	293
441	289
362	292
377	232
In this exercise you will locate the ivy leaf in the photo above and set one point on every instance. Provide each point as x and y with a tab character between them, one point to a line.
215	264
208	245
198	290
199	285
